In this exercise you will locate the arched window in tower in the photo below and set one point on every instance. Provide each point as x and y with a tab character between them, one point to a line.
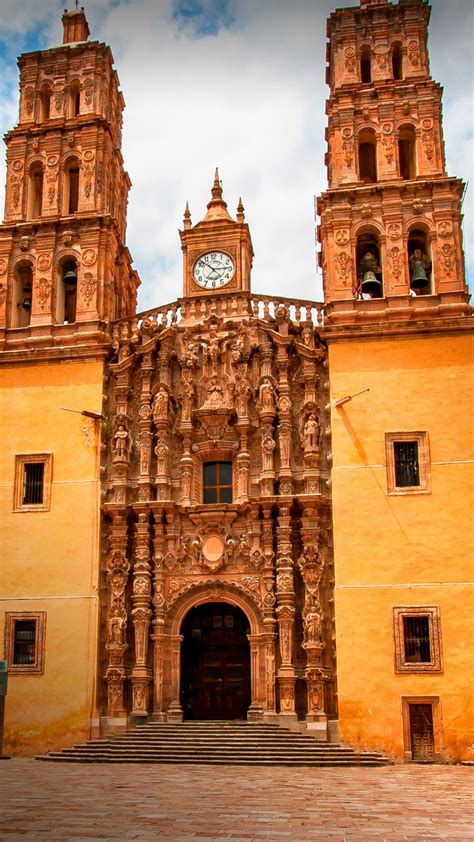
35	191
419	261
71	187
365	66
367	156
397	62
74	100
407	152
67	292
45	104
22	294
369	266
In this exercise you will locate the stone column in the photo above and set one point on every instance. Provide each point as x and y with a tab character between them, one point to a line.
175	711
141	615
286	616
158	636
118	569
311	565
145	437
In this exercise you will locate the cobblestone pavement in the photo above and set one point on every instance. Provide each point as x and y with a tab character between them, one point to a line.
70	801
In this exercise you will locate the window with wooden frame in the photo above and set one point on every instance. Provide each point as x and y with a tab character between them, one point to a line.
408	463
217	482
25	641
32	489
417	634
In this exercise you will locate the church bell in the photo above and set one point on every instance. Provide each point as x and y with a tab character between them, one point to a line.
371	285
70	278
418	279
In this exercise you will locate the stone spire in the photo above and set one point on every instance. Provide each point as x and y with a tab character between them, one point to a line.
217	208
240	211
187	218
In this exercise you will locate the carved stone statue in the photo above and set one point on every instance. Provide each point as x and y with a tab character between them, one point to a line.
311	433
266	394
161	451
268	446
161	403
121	442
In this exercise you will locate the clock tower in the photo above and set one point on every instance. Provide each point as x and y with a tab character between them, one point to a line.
217	252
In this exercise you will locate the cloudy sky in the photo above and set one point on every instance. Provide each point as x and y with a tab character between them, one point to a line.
237	84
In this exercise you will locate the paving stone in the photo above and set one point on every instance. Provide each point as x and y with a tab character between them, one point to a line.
200	804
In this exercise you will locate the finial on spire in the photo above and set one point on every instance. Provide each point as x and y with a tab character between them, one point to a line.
217	186
240	211
187	218
217	207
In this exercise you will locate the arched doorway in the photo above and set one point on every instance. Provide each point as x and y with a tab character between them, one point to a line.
215	662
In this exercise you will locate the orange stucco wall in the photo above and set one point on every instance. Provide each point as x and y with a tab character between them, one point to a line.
50	558
409	550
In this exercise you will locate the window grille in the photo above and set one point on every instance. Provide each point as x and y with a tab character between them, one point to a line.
24	645
217	484
416	636
33	483
407	472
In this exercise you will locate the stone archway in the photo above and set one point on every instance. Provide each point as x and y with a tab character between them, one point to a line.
168	645
215	662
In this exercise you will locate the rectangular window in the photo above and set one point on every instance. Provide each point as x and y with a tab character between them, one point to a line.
32	489
24	641
417	634
33	480
217	482
408	463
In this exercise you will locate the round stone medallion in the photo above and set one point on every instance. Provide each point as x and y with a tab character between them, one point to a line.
213	548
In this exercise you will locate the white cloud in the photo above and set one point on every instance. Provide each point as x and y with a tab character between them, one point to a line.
250	100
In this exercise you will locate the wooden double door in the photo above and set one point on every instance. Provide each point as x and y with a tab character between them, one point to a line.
215	663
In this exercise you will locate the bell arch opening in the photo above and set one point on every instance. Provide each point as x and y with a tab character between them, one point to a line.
215	662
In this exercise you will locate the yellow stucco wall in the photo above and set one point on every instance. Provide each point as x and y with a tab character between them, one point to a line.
410	550
50	558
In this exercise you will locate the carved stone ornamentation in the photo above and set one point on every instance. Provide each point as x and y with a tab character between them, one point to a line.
395	257
447	256
43	292
343	263
88	287
413	53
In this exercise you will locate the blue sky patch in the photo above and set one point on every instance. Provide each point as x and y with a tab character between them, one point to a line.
202	17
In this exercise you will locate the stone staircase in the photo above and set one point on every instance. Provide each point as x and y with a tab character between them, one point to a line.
213	743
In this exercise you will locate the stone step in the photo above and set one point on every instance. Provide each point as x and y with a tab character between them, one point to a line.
215	743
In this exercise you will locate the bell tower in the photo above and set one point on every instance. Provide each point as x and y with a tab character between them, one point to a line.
398	327
63	259
390	227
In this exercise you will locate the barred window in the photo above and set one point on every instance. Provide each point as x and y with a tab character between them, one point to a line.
32	488
24	643
33	479
407	471
416	634
408	463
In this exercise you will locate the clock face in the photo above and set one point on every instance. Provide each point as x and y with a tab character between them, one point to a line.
213	270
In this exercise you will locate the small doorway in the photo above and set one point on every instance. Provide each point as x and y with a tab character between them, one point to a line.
215	662
422	733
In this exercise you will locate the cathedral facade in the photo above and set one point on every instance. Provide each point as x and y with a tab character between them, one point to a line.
238	506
